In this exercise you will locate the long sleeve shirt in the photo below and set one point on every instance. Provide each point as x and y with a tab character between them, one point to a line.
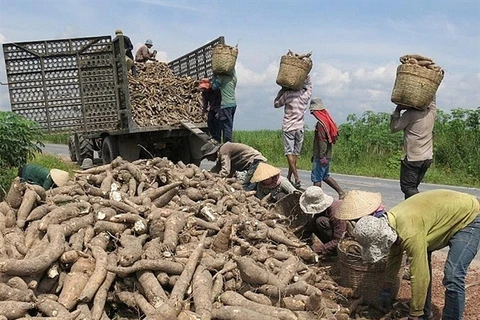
425	223
233	157
295	102
143	54
227	85
128	47
285	186
321	146
35	174
417	126
338	228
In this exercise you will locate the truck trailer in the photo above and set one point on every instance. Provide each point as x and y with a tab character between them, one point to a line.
80	85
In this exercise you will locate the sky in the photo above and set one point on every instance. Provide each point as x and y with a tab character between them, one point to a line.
355	44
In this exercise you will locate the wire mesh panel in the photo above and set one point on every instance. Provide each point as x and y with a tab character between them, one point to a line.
64	85
196	64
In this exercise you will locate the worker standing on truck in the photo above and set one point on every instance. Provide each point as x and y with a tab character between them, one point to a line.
38	175
295	102
211	101
417	126
325	135
227	84
128	49
143	53
231	157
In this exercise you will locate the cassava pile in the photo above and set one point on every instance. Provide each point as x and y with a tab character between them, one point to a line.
421	61
158	97
156	240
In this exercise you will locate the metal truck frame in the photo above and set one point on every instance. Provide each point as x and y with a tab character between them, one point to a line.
80	85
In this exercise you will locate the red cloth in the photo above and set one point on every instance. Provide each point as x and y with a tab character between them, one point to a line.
327	122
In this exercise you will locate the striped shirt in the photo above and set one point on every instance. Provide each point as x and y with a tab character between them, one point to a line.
295	102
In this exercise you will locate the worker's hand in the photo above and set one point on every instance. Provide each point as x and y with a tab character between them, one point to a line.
324	161
386	298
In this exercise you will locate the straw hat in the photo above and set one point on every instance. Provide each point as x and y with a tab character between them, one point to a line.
209	148
314	201
316	104
376	237
60	177
118	32
263	172
357	204
87	163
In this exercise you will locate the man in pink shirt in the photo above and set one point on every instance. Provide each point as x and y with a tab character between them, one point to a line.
295	103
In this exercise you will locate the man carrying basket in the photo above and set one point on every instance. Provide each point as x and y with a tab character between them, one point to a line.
417	126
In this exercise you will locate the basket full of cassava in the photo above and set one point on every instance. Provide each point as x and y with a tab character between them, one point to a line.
224	58
418	79
366	279
294	69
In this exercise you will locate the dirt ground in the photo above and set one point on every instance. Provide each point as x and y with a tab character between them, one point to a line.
472	307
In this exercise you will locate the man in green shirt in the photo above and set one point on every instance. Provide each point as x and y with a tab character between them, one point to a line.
36	174
423	223
227	84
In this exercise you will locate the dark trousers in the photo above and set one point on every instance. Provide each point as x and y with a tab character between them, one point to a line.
226	123
411	174
129	54
213	123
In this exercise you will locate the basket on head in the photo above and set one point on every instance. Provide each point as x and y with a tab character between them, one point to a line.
224	58
416	85
293	71
366	279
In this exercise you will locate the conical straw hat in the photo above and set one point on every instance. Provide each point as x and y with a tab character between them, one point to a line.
60	177
264	171
357	204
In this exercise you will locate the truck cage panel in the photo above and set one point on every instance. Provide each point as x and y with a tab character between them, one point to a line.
81	84
64	84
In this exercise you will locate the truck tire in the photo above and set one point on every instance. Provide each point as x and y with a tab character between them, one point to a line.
109	149
71	148
86	149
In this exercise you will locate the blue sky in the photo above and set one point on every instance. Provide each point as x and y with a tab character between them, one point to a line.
355	44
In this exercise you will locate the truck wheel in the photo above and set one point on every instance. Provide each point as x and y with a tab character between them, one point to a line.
109	149
86	149
71	148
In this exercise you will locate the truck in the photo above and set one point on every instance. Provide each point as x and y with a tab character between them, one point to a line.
80	85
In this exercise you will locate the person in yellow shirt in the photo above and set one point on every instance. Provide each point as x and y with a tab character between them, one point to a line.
419	225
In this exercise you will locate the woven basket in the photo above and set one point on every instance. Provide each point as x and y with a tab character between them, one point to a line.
223	59
289	207
366	279
415	86
293	71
